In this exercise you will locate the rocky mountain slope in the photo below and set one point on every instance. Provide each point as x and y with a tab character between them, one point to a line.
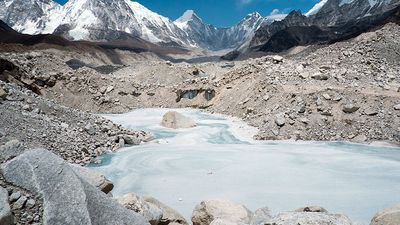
345	91
329	21
109	20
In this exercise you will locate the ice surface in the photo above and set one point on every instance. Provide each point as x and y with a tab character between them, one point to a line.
214	160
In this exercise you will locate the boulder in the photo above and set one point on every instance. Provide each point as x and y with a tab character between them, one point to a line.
309	218
280	119
170	216
312	209
109	89
152	213
176	120
350	108
208	211
261	216
390	216
30	203
20	203
94	178
370	111
277	59
3	94
131	140
6	217
15	196
320	76
396	107
10	149
67	197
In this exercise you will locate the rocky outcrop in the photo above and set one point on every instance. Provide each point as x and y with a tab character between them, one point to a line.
170	216
134	202
6	217
224	212
390	216
176	120
309	218
67	197
220	211
94	178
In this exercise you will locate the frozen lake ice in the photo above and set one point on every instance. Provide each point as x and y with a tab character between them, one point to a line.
218	159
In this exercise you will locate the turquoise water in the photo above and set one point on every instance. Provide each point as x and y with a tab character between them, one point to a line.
183	167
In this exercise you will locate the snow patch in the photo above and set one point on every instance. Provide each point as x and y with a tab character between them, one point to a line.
344	2
314	10
275	17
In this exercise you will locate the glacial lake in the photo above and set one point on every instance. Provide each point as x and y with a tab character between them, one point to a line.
218	159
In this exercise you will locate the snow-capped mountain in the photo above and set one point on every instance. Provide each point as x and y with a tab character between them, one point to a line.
104	20
339	12
326	13
213	38
27	16
327	21
91	20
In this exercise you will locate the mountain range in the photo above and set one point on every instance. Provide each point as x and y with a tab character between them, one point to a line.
113	21
104	20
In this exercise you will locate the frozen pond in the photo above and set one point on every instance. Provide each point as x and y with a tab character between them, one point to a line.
217	159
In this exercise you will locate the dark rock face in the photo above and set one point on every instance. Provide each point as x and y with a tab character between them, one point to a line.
68	197
295	36
264	33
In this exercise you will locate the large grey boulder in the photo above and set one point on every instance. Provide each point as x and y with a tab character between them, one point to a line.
309	218
94	178
10	149
6	217
67	197
176	120
220	210
134	202
390	216
170	216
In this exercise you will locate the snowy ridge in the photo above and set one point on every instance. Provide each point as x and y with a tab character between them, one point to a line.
97	20
314	10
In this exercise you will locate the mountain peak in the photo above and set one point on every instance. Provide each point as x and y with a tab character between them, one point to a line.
295	14
253	15
188	16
